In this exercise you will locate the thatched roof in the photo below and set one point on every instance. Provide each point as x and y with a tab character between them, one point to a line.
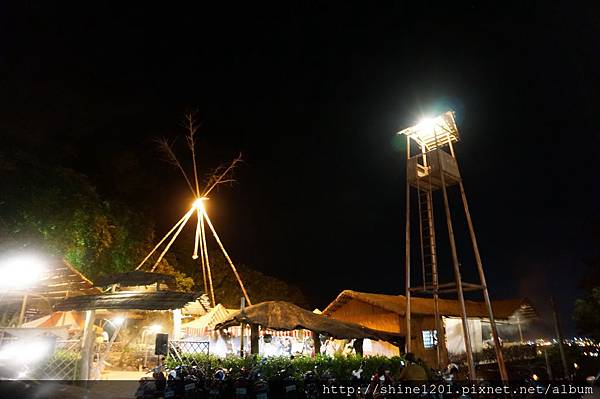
503	309
285	316
62	280
208	321
152	300
135	278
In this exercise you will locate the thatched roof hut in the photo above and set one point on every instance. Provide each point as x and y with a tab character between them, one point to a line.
503	309
285	316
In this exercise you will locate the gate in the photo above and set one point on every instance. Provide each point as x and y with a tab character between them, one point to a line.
188	353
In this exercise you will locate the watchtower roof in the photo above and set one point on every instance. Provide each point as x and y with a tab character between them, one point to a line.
433	133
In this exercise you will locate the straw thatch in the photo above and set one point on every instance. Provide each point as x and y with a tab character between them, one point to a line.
285	316
61	280
503	309
135	278
151	300
207	322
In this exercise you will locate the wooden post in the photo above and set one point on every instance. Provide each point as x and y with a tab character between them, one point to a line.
457	276
254	339
176	324
317	343
87	342
486	296
548	366
358	346
407	252
242	307
559	337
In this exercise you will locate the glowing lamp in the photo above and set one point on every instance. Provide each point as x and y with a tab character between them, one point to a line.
20	272
199	203
117	321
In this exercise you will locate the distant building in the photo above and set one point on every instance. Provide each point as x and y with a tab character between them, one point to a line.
387	313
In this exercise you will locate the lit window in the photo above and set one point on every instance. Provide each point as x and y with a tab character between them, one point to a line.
429	339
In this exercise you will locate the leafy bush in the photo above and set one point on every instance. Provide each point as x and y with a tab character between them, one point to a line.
339	366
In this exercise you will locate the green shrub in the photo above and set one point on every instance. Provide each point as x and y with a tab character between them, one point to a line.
340	366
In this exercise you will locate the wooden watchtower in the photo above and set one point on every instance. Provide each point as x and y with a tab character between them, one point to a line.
431	169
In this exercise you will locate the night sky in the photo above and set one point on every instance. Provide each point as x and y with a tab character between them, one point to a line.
312	94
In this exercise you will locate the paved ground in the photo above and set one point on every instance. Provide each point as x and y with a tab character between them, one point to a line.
117	375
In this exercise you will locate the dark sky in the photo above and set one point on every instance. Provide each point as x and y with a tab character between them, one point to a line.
312	94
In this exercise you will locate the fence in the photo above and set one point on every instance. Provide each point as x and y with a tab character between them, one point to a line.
62	365
44	358
186	352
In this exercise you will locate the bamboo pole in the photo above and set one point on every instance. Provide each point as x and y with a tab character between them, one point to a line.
434	275
457	276
197	236
202	246
206	261
237	276
482	280
407	252
559	337
186	218
161	241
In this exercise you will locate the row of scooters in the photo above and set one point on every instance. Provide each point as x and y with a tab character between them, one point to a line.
191	382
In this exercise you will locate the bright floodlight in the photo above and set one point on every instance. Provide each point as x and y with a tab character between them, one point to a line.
20	272
434	132
119	320
199	203
155	328
25	352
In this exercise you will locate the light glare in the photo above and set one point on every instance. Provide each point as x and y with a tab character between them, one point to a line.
25	352
20	272
199	203
426	124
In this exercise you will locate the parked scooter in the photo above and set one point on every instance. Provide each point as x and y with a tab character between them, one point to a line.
311	384
216	385
242	385
152	387
381	378
260	386
284	385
